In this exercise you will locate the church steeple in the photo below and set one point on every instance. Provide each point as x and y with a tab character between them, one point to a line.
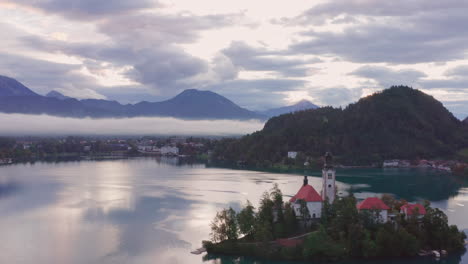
328	179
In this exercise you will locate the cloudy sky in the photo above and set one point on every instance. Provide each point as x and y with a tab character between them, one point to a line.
259	54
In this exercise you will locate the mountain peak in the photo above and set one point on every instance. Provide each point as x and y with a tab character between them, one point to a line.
195	92
11	87
299	106
58	95
306	104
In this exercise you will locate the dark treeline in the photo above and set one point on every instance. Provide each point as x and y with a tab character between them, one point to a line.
397	123
343	232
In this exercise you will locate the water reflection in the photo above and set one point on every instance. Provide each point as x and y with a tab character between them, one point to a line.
156	210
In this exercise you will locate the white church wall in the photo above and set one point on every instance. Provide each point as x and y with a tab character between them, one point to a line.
315	209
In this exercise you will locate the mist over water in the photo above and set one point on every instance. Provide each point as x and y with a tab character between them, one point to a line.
23	125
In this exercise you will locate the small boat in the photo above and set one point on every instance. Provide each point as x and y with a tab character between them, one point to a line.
436	253
198	251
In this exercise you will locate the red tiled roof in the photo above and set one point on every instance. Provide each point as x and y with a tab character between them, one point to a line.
409	209
289	242
308	194
372	203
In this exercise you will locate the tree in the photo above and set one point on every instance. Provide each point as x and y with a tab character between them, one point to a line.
304	212
265	210
290	221
319	246
246	219
224	226
327	213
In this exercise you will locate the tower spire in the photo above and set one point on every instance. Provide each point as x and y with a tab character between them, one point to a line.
328	179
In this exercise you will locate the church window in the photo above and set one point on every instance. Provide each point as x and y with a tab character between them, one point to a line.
329	185
330	175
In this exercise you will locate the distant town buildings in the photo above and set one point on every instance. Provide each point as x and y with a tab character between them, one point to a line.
6	161
168	150
292	154
443	165
391	163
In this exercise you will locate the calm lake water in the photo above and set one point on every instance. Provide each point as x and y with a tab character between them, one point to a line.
156	211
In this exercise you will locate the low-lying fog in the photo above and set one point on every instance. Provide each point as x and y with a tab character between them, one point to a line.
20	124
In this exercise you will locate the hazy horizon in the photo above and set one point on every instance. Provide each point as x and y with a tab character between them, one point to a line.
45	125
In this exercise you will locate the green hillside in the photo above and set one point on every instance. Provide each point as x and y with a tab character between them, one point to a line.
399	122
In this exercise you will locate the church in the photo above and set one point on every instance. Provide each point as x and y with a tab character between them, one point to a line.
308	197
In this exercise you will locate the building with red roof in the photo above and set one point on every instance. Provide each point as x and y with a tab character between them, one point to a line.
308	194
312	199
374	203
413	210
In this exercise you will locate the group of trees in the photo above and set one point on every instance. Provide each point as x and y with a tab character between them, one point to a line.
343	231
273	219
399	122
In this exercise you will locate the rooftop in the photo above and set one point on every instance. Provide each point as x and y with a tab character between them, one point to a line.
411	209
372	203
308	194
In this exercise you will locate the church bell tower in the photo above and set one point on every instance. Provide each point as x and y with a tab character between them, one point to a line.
328	179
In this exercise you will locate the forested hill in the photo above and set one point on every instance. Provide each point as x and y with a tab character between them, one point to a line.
399	122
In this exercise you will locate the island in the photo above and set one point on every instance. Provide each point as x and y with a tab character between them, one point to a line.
326	227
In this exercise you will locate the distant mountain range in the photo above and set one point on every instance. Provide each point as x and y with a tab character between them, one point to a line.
299	106
190	104
397	123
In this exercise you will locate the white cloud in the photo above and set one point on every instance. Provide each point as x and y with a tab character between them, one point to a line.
19	124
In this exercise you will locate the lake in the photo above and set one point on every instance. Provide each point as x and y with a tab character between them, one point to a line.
148	210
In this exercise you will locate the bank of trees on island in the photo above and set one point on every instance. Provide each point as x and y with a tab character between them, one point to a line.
342	232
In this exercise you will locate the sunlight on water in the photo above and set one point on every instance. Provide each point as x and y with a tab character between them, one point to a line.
153	211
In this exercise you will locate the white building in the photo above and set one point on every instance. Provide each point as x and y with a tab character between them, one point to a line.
308	195
374	204
292	154
410	210
168	150
145	148
390	163
312	199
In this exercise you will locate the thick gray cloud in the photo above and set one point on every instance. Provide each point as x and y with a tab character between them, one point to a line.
387	77
167	68
42	76
147	43
402	32
336	96
329	10
87	9
249	58
257	94
459	71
